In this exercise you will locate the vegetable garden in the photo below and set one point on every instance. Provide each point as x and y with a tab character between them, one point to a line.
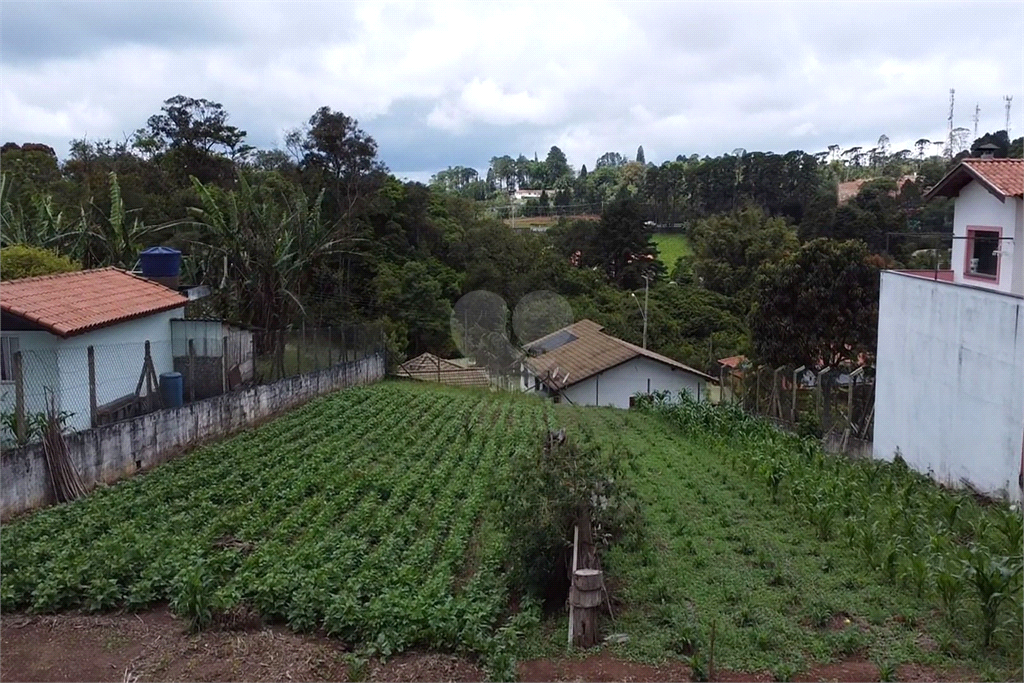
406	515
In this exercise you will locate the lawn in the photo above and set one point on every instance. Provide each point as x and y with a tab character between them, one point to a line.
671	247
380	516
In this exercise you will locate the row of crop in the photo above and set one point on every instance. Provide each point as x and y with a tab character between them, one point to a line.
939	544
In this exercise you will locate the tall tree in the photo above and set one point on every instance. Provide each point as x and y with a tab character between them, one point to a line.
816	307
640	155
556	166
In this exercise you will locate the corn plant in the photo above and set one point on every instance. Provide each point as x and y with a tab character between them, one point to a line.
995	579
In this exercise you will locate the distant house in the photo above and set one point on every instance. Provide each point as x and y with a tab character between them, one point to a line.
456	372
949	394
584	366
53	320
520	196
851	189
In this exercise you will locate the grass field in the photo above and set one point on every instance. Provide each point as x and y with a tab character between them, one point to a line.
671	246
379	515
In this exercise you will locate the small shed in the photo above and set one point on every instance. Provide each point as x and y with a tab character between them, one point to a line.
81	339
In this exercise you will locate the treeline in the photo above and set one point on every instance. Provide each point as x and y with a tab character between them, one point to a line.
320	233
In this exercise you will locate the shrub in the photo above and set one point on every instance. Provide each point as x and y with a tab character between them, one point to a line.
20	261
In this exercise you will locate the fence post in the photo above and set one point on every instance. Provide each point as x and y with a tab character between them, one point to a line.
224	366
252	349
191	370
92	387
329	363
19	399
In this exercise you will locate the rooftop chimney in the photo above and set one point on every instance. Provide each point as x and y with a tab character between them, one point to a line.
987	151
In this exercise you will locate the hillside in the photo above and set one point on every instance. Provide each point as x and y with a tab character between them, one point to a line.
392	517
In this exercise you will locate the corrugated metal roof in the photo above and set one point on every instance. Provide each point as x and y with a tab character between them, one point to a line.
72	303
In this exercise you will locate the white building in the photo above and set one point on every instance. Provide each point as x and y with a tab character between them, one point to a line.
949	394
582	365
53	320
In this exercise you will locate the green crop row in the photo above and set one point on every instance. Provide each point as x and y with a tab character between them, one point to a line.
371	515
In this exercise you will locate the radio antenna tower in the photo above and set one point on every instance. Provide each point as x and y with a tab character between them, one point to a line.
949	143
977	115
1009	100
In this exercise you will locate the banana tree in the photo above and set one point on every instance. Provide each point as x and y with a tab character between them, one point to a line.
260	247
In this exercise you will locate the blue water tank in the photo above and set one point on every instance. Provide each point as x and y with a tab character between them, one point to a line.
160	262
172	389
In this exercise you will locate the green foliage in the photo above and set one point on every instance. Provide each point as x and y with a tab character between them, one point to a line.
816	307
18	261
729	249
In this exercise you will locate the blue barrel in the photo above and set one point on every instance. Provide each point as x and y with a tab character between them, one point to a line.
172	389
160	262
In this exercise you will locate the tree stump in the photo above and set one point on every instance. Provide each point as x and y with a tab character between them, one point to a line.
585	597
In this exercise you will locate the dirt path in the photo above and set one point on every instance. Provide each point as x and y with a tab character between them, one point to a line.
156	646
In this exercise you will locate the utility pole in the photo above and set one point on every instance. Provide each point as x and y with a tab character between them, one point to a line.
643	311
949	136
1008	99
647	284
977	115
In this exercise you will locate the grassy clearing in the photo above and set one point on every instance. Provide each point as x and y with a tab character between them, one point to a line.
671	247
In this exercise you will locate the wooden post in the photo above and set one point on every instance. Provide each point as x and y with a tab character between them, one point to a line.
147	362
224	366
575	557
252	350
329	347
20	427
191	370
298	351
92	386
585	598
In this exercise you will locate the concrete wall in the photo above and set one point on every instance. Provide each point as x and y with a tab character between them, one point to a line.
949	392
614	387
976	207
111	452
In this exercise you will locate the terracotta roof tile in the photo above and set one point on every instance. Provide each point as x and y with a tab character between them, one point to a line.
592	351
1002	177
430	368
73	303
1006	175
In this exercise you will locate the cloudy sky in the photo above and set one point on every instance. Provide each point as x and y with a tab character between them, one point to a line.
447	83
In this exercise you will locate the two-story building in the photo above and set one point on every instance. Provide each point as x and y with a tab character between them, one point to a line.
949	393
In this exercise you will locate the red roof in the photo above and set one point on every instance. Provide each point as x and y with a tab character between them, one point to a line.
1002	177
73	303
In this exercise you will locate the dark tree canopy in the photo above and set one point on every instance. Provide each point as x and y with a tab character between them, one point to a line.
816	307
640	155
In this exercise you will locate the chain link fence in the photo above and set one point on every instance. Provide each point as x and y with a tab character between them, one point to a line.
93	385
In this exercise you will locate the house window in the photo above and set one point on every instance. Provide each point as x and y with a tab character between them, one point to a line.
8	347
983	253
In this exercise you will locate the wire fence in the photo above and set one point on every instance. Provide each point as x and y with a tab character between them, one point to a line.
89	385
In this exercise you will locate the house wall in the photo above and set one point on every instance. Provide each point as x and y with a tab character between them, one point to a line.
948	388
39	368
614	387
112	452
976	206
119	352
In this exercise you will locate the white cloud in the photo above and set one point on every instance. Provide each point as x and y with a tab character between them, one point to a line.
460	82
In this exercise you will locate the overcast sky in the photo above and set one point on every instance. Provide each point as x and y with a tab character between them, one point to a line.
455	83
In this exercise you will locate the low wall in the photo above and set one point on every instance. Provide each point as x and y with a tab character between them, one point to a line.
112	452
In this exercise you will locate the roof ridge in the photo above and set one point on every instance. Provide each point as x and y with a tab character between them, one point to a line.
56	276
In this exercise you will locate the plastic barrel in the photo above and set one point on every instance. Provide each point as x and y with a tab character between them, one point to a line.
172	389
160	262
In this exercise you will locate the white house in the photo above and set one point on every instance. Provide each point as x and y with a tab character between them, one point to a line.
52	321
582	365
521	195
949	392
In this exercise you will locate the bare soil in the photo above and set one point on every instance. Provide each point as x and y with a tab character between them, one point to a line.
157	646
